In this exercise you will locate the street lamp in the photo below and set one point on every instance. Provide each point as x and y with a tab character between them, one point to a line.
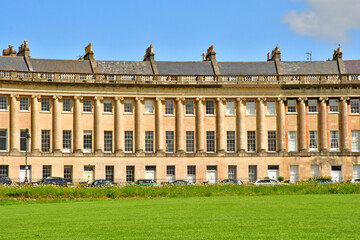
27	137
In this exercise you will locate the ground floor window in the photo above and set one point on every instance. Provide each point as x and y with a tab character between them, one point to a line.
252	173
191	174
68	173
46	171
4	171
130	174
232	172
170	174
109	173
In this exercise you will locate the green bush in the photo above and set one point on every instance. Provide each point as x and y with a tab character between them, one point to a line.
280	178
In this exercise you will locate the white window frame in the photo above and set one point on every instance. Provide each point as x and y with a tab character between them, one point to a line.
108	141
170	173
45	104
190	141
354	106
87	105
23	141
149	106
191	173
313	137
292	141
24	104
333	105
210	141
66	141
334	140
312	106
230	108
149	141
108	106
45	141
189	107
128	106
109	173
129	142
4	137
270	107
66	105
271	141
169	141
291	106
232	171
3	103
251	141
209	107
230	141
87	142
250	107
169	107
355	140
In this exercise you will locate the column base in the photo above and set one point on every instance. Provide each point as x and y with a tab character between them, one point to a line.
119	152
139	152
160	152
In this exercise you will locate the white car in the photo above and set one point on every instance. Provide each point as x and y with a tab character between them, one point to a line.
355	180
266	182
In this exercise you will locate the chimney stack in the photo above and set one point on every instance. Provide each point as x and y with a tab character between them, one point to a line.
149	55
210	54
275	54
89	54
337	54
9	52
24	50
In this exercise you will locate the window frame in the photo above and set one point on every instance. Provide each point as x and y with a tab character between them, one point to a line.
291	105
189	108
45	141
108	106
128	106
108	141
333	105
232	172
355	143
292	141
68	171
251	141
272	141
334	140
148	105
130	174
24	104
110	173
87	106
190	141
66	105
354	106
250	108
5	137
272	110
23	140
230	141
128	142
66	141
230	108
87	141
169	107
312	106
210	107
45	105
3	103
170	173
313	137
149	141
210	142
169	141
46	171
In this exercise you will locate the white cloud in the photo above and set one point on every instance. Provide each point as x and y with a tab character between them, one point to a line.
326	19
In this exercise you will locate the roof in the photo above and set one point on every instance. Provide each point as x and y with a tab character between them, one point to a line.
310	67
352	66
185	68
13	64
124	67
247	68
61	66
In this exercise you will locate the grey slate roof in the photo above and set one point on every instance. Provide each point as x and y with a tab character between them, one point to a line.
124	67
352	66
310	67
185	68
61	66
13	63
247	68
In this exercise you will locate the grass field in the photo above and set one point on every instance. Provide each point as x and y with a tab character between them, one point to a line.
231	217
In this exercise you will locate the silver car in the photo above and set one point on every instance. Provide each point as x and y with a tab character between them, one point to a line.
266	182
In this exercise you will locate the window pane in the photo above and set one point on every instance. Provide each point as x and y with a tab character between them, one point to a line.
128	106
3	103
169	141
312	105
108	141
149	106
210	141
87	105
130	174
66	141
109	173
3	139
190	141
355	140
291	106
23	140
292	141
251	141
210	109
170	173
334	140
149	141
189	107
230	140
169	107
128	141
107	106
46	171
250	107
87	141
66	105
334	106
230	108
232	172
24	104
313	141
272	141
191	174
45	104
45	140
354	106
68	174
271	108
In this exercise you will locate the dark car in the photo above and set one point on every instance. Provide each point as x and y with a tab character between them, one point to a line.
146	182
181	182
5	181
324	181
52	181
231	181
101	183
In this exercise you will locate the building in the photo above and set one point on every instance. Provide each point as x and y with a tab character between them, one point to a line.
202	121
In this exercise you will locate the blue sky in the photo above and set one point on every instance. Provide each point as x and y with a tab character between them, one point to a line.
241	30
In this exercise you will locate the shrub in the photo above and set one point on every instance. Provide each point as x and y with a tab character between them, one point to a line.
280	178
266	178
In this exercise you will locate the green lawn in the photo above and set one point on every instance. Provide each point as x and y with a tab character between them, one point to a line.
240	217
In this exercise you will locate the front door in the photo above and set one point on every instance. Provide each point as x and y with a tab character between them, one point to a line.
273	172
294	173
23	173
336	174
211	174
150	172
89	172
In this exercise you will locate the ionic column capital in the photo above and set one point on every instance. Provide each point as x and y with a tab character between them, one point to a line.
200	100
97	98
14	96
241	99
281	99
160	99
302	99
141	99
57	97
36	96
323	99
261	99
121	99
221	99
78	97
180	100
344	99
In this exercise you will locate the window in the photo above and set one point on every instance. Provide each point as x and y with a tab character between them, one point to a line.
271	141
191	174
45	140
87	105
45	104
23	140
355	140
334	106
252	173
314	171
130	174
109	173
334	141
128	106
313	141
169	141
292	141
232	172
149	141
291	106
169	107
251	145
46	171
128	141
354	106
312	103
230	108
87	141
210	108
210	141
149	106
108	141
270	107
250	107
66	105
230	141
190	141
66	141
24	104
107	106
4	171
170	174
68	173
189	107
3	103
3	139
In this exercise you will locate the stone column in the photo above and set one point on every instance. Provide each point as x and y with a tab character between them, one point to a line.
200	125
344	134
220	128
98	130
139	132
57	135
260	125
159	131
180	125
240	125
323	125
280	125
119	132
77	128
302	124
35	134
14	129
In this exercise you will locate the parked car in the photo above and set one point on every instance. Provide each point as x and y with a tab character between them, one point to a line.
146	182
232	181
266	182
181	182
101	183
51	181
355	180
5	181
324	181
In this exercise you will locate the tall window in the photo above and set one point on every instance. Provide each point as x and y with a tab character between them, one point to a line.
189	107
109	173
271	141
232	173
354	106
210	108
24	104
333	106
108	141
230	141
312	103
355	140
66	105
68	173
169	107
250	107
169	140
170	173
3	103
130	174
334	140
45	104
251	144
45	140
210	141
190	141
107	106
23	140
128	141
46	171
149	141
191	174
313	141
270	107
292	141
87	141
230	108
291	106
149	106
4	171
3	139
128	106
87	105
66	141
252	173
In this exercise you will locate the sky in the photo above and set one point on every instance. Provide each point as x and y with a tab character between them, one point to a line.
240	30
